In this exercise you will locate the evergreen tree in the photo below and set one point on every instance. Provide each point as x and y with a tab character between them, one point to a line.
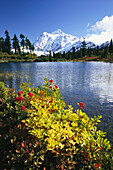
73	49
105	51
69	55
97	51
89	52
111	47
22	36
73	52
79	53
32	47
22	43
64	55
83	48
2	44
27	43
19	50
16	44
50	53
7	42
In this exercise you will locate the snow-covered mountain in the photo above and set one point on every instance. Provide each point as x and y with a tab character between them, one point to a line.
58	41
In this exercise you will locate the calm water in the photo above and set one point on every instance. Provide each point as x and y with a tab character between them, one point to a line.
87	82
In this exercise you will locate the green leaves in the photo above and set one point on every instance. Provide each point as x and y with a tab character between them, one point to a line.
38	127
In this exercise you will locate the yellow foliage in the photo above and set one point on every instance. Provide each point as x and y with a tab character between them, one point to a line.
57	127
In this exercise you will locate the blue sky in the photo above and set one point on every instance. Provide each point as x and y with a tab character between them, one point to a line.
33	17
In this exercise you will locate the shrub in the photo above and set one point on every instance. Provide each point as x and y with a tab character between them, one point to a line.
38	132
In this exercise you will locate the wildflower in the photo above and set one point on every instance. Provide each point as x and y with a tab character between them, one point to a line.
51	111
23	144
19	98
20	93
23	108
56	86
51	81
30	94
51	101
81	105
50	87
96	166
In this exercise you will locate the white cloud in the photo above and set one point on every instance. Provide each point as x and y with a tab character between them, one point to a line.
102	31
88	24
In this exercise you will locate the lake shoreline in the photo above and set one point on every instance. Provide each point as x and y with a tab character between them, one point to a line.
75	60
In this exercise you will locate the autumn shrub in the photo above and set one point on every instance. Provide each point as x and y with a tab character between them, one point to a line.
38	132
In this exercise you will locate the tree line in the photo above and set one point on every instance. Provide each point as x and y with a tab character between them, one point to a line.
102	51
5	44
105	51
99	52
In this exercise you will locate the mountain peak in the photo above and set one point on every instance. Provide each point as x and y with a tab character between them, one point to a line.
58	42
58	31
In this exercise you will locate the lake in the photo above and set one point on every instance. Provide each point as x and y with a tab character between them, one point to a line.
88	82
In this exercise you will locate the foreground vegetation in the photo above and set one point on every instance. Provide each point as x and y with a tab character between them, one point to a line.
38	132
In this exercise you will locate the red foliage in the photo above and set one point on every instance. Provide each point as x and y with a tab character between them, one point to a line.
56	86
51	81
30	94
20	93
23	144
19	98
51	101
81	105
51	110
23	108
96	166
